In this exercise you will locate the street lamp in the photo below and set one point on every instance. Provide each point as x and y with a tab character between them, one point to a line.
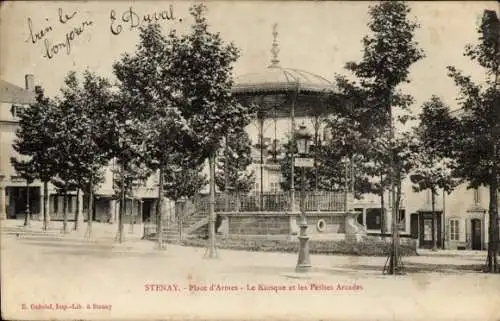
3	212
302	137
27	219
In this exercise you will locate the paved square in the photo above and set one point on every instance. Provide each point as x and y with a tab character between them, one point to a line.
47	275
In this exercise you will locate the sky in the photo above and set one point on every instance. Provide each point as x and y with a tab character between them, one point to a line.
319	37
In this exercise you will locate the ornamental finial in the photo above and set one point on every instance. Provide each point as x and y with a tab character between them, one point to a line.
275	50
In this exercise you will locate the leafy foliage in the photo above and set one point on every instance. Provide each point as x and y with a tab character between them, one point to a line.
388	53
177	94
183	181
200	67
434	136
235	153
81	128
35	140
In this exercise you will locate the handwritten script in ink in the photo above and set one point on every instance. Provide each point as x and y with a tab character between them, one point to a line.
74	28
134	20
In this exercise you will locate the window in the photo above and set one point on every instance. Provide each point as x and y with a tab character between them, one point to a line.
427	229
454	232
477	199
373	219
15	109
274	187
56	203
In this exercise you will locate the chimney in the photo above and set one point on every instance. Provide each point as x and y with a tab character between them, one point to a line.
30	82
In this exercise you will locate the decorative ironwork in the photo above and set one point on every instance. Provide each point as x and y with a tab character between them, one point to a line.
275	48
271	202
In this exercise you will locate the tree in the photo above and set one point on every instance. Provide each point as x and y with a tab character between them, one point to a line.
82	124
183	85
148	126
433	169
183	181
125	183
346	150
201	65
388	53
126	141
35	142
356	139
477	147
233	159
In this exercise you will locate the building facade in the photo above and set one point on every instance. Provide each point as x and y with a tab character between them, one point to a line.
15	201
13	196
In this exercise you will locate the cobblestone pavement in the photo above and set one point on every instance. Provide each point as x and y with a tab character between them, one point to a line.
48	275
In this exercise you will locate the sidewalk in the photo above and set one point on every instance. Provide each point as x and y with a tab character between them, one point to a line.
440	252
52	268
99	230
104	234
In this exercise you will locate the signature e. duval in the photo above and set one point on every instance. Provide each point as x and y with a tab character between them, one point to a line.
75	26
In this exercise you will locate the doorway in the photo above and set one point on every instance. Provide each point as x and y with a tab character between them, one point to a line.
16	199
427	228
414	225
147	207
476	240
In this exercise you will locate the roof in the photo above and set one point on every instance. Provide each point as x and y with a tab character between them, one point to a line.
10	93
275	78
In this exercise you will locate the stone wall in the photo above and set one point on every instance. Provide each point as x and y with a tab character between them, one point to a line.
333	223
252	224
259	223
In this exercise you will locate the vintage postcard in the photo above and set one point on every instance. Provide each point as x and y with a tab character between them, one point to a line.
249	160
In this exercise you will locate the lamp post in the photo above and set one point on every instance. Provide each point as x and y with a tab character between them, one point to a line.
3	212
302	139
27	218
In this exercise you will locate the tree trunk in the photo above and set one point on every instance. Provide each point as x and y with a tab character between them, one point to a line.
65	211
261	168
493	233
90	207
346	185
211	219
134	214
226	174
159	216
77	215
122	210
46	214
382	207
443	220
434	219
27	218
394	263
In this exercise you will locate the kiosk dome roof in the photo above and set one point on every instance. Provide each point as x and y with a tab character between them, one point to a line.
276	78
